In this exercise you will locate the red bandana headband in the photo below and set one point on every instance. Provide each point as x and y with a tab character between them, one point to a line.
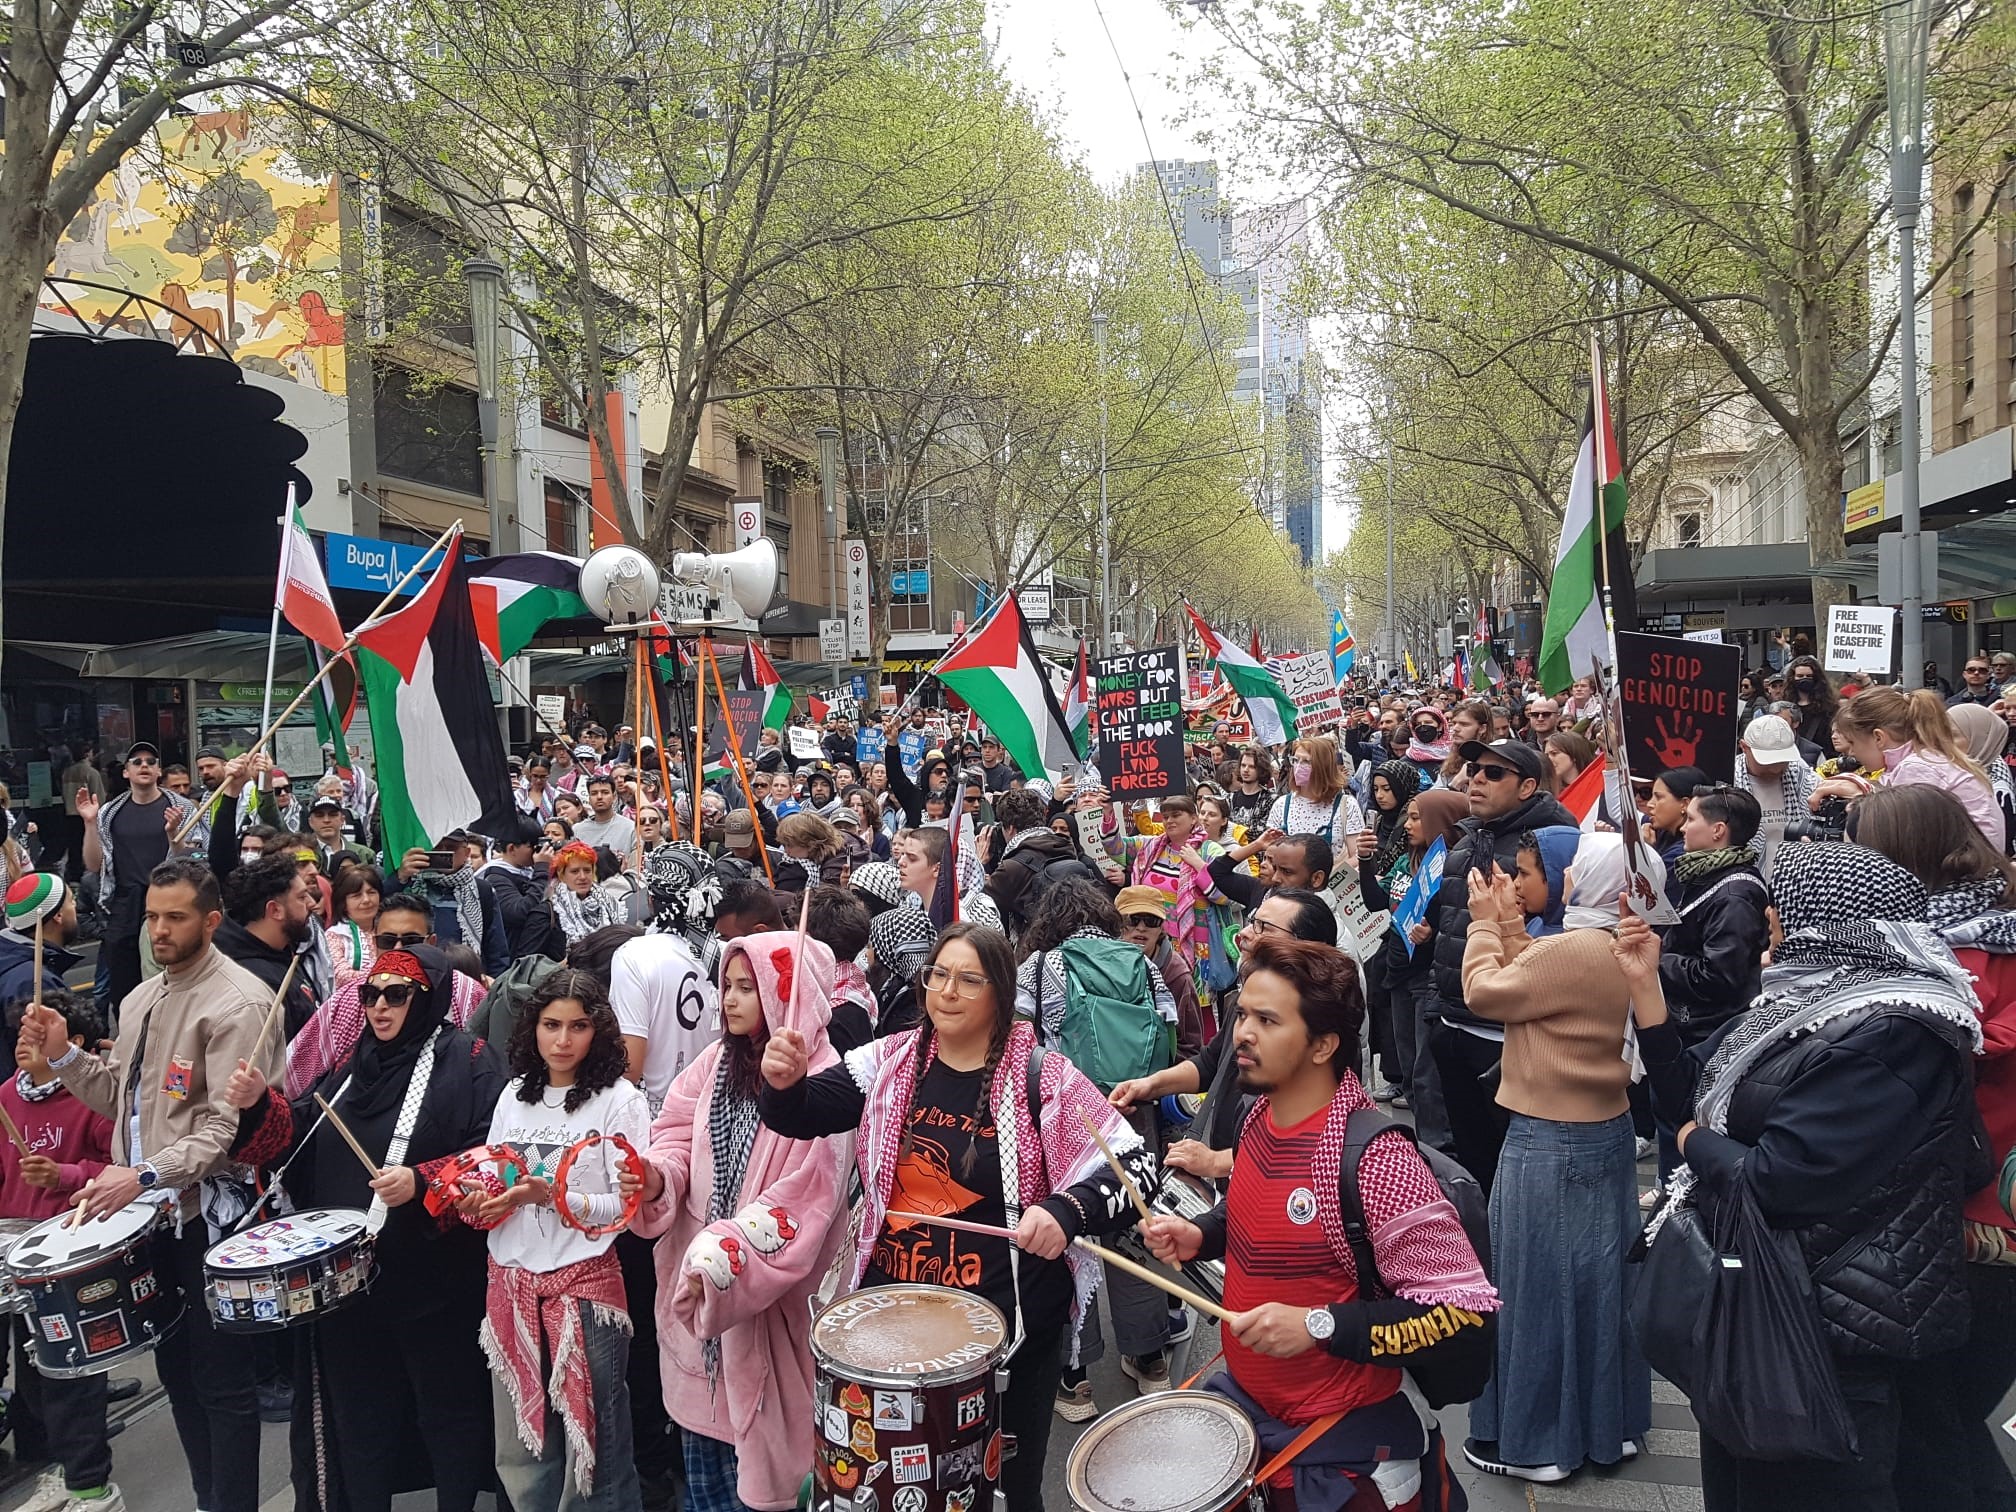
399	963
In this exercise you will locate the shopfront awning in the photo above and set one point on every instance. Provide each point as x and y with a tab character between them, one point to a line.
222	656
1977	559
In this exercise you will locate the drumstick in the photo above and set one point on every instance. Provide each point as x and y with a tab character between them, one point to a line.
13	1131
1153	1278
274	1012
1157	1279
1140	1203
348	1138
38	960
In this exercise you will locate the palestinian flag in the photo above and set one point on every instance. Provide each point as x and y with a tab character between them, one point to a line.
513	598
433	724
666	652
1584	796
335	703
1574	634
759	674
1078	706
1271	710
1484	669
997	672
303	594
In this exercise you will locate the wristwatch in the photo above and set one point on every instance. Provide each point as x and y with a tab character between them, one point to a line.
1321	1323
149	1177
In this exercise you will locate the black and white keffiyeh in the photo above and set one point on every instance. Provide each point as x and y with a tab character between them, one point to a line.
731	1135
1856	942
685	890
580	914
902	939
1971	916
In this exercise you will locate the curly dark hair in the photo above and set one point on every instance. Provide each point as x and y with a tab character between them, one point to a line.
606	1060
1067	906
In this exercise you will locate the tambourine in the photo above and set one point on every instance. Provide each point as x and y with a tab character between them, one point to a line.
461	1174
631	1160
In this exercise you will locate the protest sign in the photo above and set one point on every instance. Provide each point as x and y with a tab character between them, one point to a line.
910	747
869	744
1858	638
804	743
745	710
1357	923
1310	680
1679	704
1140	721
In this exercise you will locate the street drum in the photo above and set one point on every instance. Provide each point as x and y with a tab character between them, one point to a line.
1176	1451
11	1299
92	1291
906	1401
1181	1195
290	1270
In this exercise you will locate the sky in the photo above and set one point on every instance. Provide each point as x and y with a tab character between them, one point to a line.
1058	51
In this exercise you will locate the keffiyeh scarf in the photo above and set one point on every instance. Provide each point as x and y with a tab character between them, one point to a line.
731	1135
529	1313
1427	751
1856	942
1971	916
460	884
685	889
580	914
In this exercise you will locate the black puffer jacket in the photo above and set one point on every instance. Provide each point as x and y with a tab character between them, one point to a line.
1014	885
1711	961
1860	1137
1479	841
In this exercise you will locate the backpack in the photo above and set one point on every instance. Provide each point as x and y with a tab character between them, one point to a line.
1457	1369
497	1015
1111	1030
1043	875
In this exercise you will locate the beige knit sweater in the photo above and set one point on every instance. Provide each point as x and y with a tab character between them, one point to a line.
1563	1003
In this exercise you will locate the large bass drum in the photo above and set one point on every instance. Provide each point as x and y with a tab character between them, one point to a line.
1176	1451
906	1401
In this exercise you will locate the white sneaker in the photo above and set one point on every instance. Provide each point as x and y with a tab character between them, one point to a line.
1645	1149
49	1493
112	1501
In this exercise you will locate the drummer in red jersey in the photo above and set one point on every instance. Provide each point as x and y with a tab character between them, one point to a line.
1306	1343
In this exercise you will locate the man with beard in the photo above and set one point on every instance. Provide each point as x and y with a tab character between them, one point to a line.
182	1035
268	909
1306	1339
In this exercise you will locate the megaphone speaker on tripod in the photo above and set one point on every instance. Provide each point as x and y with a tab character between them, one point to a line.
744	580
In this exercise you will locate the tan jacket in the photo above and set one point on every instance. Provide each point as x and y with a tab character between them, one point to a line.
190	1028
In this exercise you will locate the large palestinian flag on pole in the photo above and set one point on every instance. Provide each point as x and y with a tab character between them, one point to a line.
1267	704
513	597
1078	706
433	724
997	672
1574	635
758	673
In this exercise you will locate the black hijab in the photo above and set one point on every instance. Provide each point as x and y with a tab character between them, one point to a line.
1390	825
381	1069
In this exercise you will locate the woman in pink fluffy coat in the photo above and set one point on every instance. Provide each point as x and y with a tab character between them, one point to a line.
750	1221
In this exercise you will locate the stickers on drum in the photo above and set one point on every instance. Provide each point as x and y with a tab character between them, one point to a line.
91	1289
1176	1451
907	1410
11	1298
290	1270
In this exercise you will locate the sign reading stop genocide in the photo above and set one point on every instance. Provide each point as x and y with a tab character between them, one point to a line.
1679	704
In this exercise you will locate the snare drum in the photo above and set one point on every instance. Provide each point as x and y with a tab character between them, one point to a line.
92	1290
291	1270
906	1401
11	1299
1181	1195
1176	1451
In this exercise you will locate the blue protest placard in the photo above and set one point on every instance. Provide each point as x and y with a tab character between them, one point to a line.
912	744
1413	906
869	744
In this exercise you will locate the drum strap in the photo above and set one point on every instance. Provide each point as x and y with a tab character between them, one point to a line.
402	1130
1295	1446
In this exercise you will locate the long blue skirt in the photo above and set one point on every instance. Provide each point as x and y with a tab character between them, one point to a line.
1570	1384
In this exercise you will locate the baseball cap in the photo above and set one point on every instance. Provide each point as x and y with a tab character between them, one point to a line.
1141	900
846	818
326	801
1770	741
1524	759
584	753
740	830
141	745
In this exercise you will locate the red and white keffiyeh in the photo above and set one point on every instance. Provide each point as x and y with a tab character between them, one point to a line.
530	1312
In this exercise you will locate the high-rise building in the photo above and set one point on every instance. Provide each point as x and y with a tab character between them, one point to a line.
1255	256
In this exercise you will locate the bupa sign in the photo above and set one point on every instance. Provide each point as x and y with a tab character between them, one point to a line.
370	566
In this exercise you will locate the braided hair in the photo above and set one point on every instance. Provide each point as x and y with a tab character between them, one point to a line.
997	964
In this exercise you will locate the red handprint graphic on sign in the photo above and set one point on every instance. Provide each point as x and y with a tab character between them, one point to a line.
1675	747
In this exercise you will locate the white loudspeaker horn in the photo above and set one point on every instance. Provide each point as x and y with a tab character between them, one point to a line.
620	583
746	579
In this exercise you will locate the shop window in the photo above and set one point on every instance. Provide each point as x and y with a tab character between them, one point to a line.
1687	529
427	432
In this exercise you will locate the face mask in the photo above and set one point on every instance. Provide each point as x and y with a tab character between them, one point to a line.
1303	772
250	857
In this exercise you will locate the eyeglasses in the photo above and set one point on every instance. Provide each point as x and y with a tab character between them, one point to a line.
143	761
1489	772
1970	671
1145	921
972	800
281	789
1265	926
963	984
396	995
399	941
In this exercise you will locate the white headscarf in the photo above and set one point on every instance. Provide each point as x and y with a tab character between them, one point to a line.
1597	875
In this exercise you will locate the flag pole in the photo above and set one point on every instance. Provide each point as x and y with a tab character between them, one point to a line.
273	634
700	740
322	672
1599	438
735	759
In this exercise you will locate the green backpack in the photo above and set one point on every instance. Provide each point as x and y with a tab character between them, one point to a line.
1111	1030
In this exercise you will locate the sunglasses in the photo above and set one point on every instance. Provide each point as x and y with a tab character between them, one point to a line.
397	995
399	941
1144	921
1972	670
1489	771
281	790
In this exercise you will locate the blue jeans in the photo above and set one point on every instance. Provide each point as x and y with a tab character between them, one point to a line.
545	1482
